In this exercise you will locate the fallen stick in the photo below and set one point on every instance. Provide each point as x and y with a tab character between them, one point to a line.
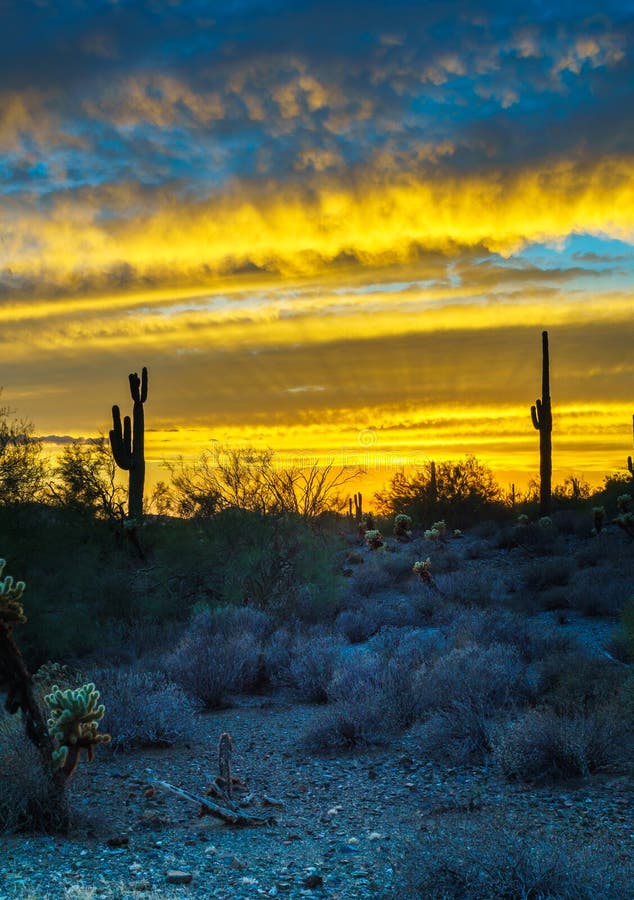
208	807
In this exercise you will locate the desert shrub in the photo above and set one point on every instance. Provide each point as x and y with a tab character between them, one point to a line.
531	640
210	667
466	588
534	538
541	743
369	616
395	686
472	860
410	646
599	592
478	549
127	642
345	726
398	565
312	666
371	578
25	784
144	709
456	736
546	573
355	625
370	698
577	522
573	682
622	643
463	692
443	560
232	620
491	678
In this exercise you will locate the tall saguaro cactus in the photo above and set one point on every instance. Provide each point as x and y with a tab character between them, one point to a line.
128	443
630	464
542	417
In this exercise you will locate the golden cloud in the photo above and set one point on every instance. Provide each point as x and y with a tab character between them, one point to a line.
292	231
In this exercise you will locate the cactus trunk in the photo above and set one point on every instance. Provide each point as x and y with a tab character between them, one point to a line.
630	464
542	417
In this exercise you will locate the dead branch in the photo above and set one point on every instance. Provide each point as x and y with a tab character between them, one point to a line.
208	807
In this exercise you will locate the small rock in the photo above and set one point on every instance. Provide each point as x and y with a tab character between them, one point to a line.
238	864
175	876
313	881
119	840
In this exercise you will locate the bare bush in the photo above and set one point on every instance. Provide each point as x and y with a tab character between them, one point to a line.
473	860
313	663
573	681
144	709
490	678
599	592
466	588
209	668
344	726
371	578
546	573
25	785
462	734
541	743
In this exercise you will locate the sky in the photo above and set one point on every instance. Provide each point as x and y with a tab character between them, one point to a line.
335	229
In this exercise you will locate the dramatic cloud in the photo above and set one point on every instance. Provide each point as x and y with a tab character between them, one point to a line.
321	225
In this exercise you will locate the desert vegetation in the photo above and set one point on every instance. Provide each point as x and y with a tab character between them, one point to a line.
454	627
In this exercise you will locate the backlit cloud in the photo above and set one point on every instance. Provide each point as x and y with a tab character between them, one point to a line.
319	220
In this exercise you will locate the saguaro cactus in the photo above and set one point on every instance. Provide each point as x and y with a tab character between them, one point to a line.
542	417
128	443
358	507
630	464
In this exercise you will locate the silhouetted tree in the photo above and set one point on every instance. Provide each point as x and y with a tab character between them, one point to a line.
460	492
22	468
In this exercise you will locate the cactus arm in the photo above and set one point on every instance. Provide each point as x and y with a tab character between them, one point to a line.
535	416
120	440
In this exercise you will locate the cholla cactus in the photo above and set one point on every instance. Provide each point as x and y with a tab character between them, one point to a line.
374	539
522	519
422	568
457	533
437	532
403	527
545	522
598	517
625	518
73	724
11	609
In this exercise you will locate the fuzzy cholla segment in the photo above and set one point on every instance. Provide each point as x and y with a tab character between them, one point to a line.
74	721
11	609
